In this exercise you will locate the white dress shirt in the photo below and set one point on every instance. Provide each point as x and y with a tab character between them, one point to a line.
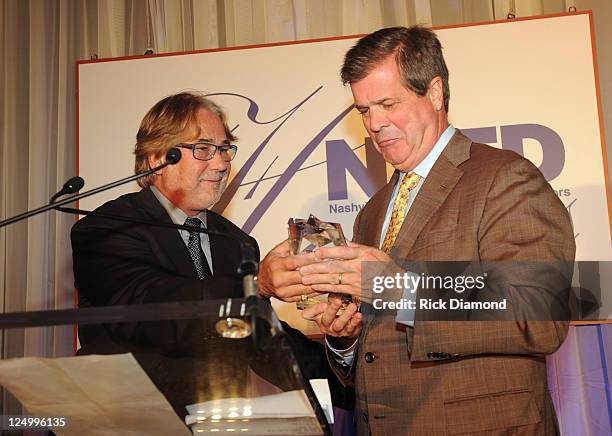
178	217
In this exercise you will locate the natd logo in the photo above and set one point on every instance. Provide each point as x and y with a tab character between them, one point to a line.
371	174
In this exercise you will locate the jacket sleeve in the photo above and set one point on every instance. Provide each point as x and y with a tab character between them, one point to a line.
346	373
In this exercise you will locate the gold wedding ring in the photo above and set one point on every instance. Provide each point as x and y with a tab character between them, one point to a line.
304	298
340	278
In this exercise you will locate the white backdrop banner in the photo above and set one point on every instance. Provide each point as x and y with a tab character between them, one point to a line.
524	85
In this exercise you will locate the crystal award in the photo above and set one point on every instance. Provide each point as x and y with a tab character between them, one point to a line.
307	234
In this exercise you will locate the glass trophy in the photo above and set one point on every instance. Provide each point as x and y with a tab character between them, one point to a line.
307	234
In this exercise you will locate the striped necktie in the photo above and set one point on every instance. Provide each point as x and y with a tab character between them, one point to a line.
409	182
195	249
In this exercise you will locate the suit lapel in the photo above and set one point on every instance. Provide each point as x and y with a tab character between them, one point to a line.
374	221
441	180
169	239
225	252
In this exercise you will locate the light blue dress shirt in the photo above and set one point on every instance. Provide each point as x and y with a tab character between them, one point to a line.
405	316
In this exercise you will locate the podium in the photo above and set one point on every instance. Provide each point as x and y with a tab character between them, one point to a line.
209	383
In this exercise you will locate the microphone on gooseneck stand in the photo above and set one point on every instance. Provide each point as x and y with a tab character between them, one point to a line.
72	186
248	271
172	157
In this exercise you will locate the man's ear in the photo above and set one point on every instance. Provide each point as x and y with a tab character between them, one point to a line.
154	161
435	93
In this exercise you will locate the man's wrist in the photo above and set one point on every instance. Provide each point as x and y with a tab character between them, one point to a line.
264	295
340	344
262	291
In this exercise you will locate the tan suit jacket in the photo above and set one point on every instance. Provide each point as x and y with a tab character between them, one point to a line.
463	377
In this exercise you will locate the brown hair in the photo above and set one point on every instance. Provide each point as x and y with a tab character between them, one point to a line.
167	124
417	51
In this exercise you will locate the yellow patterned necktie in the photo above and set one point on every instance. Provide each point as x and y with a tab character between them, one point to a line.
409	182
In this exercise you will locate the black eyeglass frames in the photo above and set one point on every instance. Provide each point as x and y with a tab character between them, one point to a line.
203	150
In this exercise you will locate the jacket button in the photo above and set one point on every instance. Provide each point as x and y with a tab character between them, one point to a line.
369	357
365	417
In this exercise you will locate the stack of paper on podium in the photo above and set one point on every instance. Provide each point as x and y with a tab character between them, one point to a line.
99	395
279	414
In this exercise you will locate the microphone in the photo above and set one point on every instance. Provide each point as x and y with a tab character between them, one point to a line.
72	186
172	157
248	270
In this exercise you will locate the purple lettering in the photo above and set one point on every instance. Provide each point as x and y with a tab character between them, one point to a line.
342	159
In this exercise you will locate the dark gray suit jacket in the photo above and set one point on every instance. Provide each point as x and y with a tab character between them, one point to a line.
117	263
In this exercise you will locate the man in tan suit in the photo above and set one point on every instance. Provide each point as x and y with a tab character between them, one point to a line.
449	200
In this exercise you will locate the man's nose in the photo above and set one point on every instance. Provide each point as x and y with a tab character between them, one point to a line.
377	119
217	163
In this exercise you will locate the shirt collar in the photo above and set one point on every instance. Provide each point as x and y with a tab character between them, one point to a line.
423	168
176	214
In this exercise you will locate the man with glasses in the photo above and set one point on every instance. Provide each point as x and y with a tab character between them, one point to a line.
117	263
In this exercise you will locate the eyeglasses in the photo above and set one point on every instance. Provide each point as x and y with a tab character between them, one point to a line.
203	150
